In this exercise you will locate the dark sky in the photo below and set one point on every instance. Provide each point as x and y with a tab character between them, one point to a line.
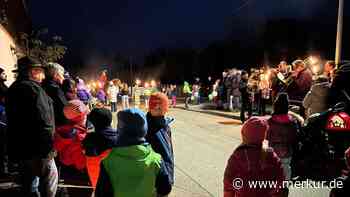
97	29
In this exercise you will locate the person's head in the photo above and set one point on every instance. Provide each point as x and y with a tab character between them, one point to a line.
329	67
298	65
132	127
3	76
55	72
76	112
30	68
158	104
282	67
253	130
245	75
101	118
281	104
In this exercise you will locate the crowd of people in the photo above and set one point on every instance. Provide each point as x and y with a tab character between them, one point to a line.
51	131
52	123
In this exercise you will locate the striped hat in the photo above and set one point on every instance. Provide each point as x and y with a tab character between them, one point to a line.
75	111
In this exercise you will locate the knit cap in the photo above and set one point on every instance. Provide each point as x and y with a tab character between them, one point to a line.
253	130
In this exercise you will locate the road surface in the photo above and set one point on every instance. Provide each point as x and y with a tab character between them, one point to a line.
202	145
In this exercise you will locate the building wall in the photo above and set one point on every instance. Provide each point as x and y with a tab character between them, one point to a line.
7	58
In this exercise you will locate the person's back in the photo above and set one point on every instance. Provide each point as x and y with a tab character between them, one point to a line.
315	100
251	162
132	168
159	131
98	144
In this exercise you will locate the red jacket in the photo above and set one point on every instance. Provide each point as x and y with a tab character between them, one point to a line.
249	163
282	134
67	143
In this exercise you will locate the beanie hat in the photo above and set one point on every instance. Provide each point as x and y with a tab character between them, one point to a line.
281	104
75	111
159	101
253	130
100	118
132	127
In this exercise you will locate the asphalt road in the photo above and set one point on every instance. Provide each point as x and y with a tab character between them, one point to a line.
202	145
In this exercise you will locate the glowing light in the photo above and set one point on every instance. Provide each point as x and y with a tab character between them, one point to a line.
313	60
153	83
315	69
146	85
138	82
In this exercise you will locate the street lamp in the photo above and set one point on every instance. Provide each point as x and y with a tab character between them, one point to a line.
339	33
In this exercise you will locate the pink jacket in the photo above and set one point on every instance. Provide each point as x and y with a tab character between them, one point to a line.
251	163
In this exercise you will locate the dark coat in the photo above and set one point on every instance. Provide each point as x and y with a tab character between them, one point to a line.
53	89
30	121
159	136
97	142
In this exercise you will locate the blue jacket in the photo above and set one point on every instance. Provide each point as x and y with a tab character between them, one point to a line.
159	136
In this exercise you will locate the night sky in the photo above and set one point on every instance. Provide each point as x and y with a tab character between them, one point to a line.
97	29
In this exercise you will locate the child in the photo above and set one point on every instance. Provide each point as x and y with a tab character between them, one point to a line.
98	144
68	138
282	133
251	162
159	132
345	179
132	168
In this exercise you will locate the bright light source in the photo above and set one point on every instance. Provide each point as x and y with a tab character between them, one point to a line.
146	85
313	60
138	82
153	83
315	69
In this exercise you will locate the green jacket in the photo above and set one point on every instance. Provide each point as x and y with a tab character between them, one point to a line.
133	171
187	89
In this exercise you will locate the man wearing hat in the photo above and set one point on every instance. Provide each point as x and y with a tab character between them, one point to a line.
53	86
30	130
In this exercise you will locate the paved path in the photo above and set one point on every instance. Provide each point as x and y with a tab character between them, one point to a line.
202	144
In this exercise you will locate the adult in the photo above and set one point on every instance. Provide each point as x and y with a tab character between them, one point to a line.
30	130
53	87
329	69
187	92
315	100
302	81
113	91
246	101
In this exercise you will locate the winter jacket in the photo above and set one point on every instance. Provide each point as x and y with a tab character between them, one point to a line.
282	134
101	95
68	143
249	163
243	88
113	93
30	118
186	88
97	146
159	136
301	86
53	89
315	100
132	171
84	95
